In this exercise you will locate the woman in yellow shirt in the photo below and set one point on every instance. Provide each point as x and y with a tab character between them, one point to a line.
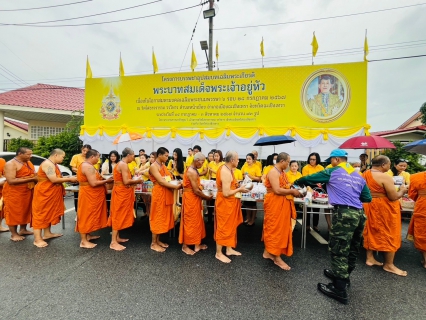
293	174
270	161
312	167
143	167
251	170
398	169
176	165
215	164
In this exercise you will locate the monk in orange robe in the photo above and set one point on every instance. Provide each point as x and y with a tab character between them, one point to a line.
122	199
92	208
161	218
18	193
279	211
228	208
192	228
48	207
383	228
417	228
2	181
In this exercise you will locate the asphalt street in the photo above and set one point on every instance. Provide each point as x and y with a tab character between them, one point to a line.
63	281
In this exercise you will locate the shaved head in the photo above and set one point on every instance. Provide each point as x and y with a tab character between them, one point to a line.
199	156
231	155
57	152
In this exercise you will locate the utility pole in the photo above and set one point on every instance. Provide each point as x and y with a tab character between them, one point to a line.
211	38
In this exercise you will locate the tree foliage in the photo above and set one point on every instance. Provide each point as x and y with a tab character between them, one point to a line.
16	143
423	111
400	153
67	140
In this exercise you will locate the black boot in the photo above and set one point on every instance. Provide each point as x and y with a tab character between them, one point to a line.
329	274
335	290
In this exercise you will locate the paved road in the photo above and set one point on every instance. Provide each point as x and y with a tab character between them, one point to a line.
63	281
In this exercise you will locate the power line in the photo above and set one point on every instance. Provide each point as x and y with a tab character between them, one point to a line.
397	58
324	18
192	36
2	67
58	5
88	16
105	22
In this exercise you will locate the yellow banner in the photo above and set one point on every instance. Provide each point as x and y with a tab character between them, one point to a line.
321	96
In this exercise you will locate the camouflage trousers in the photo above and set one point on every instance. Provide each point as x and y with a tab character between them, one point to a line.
345	239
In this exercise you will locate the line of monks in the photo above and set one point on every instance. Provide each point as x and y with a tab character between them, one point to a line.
23	184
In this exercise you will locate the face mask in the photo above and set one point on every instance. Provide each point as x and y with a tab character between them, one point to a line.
357	169
274	161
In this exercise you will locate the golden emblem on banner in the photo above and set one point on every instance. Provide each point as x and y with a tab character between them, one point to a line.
111	109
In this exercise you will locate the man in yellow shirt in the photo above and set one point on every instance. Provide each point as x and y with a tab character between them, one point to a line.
190	157
203	171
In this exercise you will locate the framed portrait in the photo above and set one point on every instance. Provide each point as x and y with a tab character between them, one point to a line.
325	95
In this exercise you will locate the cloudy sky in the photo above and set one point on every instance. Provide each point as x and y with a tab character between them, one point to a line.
57	55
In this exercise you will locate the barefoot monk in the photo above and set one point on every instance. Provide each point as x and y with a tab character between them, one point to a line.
161	216
192	229
228	208
122	199
279	211
48	205
92	208
383	228
18	193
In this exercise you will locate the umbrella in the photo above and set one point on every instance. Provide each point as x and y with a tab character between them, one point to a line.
126	137
367	142
274	140
416	147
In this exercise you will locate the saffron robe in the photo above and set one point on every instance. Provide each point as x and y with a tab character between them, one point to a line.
228	213
2	164
417	228
382	230
48	205
192	228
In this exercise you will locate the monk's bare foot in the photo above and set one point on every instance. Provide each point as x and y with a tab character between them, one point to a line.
393	269
267	255
3	229
40	243
164	245
52	235
199	247
280	263
122	240
90	237
116	246
87	245
373	262
157	247
423	262
221	257
188	250
25	232
16	237
232	252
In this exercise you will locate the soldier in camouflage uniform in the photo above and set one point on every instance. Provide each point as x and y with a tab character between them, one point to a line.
347	190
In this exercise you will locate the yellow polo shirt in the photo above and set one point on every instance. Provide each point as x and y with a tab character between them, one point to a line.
78	159
238	174
252	170
213	165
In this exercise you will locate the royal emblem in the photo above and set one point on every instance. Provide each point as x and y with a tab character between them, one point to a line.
111	109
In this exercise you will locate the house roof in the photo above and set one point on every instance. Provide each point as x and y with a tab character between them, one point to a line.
396	131
410	120
45	96
18	124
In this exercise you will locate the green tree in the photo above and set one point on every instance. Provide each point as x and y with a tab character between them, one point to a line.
400	153
16	143
423	111
67	140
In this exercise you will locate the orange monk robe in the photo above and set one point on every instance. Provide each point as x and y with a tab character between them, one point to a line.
382	230
48	204
18	198
122	202
2	164
228	213
161	218
92	208
417	228
277	228
192	228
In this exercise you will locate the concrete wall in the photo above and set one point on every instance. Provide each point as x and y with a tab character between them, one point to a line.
33	123
10	133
